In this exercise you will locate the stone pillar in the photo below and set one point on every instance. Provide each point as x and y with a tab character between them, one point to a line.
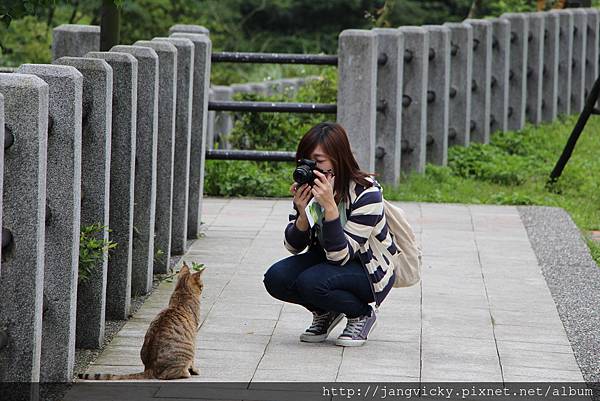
122	173
210	124
357	90
167	91
183	28
414	101
390	46
550	72
24	215
461	73
500	74
1	169
63	209
517	91
482	80
578	62
74	40
565	57
144	211
202	55
592	48
223	119
95	190
183	124
535	67
438	94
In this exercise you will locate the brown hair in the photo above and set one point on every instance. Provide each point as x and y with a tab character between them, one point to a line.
333	139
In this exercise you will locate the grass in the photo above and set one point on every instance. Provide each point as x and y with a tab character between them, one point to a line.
513	170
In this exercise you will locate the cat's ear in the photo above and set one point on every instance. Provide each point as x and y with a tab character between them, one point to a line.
185	270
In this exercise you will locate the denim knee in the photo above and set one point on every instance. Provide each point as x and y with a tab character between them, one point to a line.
311	286
275	281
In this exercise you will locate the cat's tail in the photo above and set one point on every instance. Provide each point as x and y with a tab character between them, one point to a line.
107	376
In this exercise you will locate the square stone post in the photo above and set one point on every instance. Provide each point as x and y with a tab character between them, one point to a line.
517	92
461	73
578	63
414	101
388	151
185	28
144	211
223	119
438	94
535	67
183	125
592	48
357	90
23	223
74	40
565	60
122	178
500	74
482	80
167	91
202	55
551	62
63	210
95	190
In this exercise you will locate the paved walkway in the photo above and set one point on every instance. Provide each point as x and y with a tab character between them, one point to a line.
482	312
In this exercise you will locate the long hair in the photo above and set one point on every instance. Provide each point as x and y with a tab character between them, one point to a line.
333	139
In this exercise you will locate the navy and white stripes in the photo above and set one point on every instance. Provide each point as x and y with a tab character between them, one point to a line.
365	235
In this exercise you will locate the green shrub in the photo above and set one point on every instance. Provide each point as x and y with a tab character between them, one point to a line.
93	248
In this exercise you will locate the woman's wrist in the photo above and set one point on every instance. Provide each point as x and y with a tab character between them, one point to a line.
331	212
302	222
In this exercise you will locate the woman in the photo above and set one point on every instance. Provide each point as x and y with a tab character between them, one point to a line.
342	272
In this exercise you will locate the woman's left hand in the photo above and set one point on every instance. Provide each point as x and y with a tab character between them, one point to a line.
323	190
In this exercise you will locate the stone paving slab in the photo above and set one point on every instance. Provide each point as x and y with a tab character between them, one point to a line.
482	312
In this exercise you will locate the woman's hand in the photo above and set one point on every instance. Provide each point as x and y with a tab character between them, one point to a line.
302	196
323	193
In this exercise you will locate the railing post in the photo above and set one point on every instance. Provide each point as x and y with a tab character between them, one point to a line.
202	52
24	215
95	190
414	102
122	178
550	69
565	62
578	62
146	144
438	94
535	67
482	80
63	210
210	122
517	92
223	120
357	91
74	40
183	124
592	48
183	28
167	93
390	43
500	74
461	73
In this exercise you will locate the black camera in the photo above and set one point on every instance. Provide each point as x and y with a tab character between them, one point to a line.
303	174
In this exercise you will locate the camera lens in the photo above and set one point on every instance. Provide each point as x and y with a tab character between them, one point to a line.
303	174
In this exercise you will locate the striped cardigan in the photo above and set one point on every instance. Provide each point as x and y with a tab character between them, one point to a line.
365	234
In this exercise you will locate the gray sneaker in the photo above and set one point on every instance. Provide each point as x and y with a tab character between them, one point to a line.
321	326
356	331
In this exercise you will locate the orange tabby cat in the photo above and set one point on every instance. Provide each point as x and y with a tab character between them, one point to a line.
168	350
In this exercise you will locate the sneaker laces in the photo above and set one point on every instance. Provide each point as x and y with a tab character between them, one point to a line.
319	321
354	326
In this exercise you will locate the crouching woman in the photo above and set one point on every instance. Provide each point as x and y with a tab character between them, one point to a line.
343	271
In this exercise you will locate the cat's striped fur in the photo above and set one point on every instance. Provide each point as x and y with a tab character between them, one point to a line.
168	350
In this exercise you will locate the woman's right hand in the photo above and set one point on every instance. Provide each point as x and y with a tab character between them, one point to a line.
302	196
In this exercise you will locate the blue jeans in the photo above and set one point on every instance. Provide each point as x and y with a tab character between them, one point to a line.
308	280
